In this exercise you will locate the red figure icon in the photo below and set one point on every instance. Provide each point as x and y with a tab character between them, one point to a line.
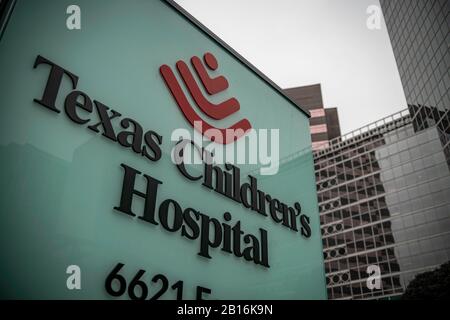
212	86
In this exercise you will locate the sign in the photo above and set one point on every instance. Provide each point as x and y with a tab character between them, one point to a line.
103	197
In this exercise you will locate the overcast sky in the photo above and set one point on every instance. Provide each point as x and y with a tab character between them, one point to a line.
303	42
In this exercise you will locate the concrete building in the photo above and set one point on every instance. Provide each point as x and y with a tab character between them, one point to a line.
324	122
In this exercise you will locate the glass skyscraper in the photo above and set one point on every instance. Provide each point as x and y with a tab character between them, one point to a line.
419	32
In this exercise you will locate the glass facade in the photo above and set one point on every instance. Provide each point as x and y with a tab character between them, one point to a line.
419	32
426	117
384	190
384	200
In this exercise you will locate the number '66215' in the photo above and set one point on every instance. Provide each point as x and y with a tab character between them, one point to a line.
116	285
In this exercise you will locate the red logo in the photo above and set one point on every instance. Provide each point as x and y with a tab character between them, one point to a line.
212	86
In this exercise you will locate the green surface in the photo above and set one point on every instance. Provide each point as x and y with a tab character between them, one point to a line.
59	181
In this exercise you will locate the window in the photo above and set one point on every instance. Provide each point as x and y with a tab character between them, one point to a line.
320	128
316	113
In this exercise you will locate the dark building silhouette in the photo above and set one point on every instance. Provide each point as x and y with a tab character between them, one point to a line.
324	122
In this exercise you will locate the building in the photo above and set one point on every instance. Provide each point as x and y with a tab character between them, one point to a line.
384	190
419	32
384	200
324	122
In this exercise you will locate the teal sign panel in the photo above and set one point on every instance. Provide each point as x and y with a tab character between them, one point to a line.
95	202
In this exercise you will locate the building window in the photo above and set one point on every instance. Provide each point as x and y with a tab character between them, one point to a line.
317	113
320	128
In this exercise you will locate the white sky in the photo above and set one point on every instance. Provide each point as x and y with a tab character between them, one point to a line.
303	42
